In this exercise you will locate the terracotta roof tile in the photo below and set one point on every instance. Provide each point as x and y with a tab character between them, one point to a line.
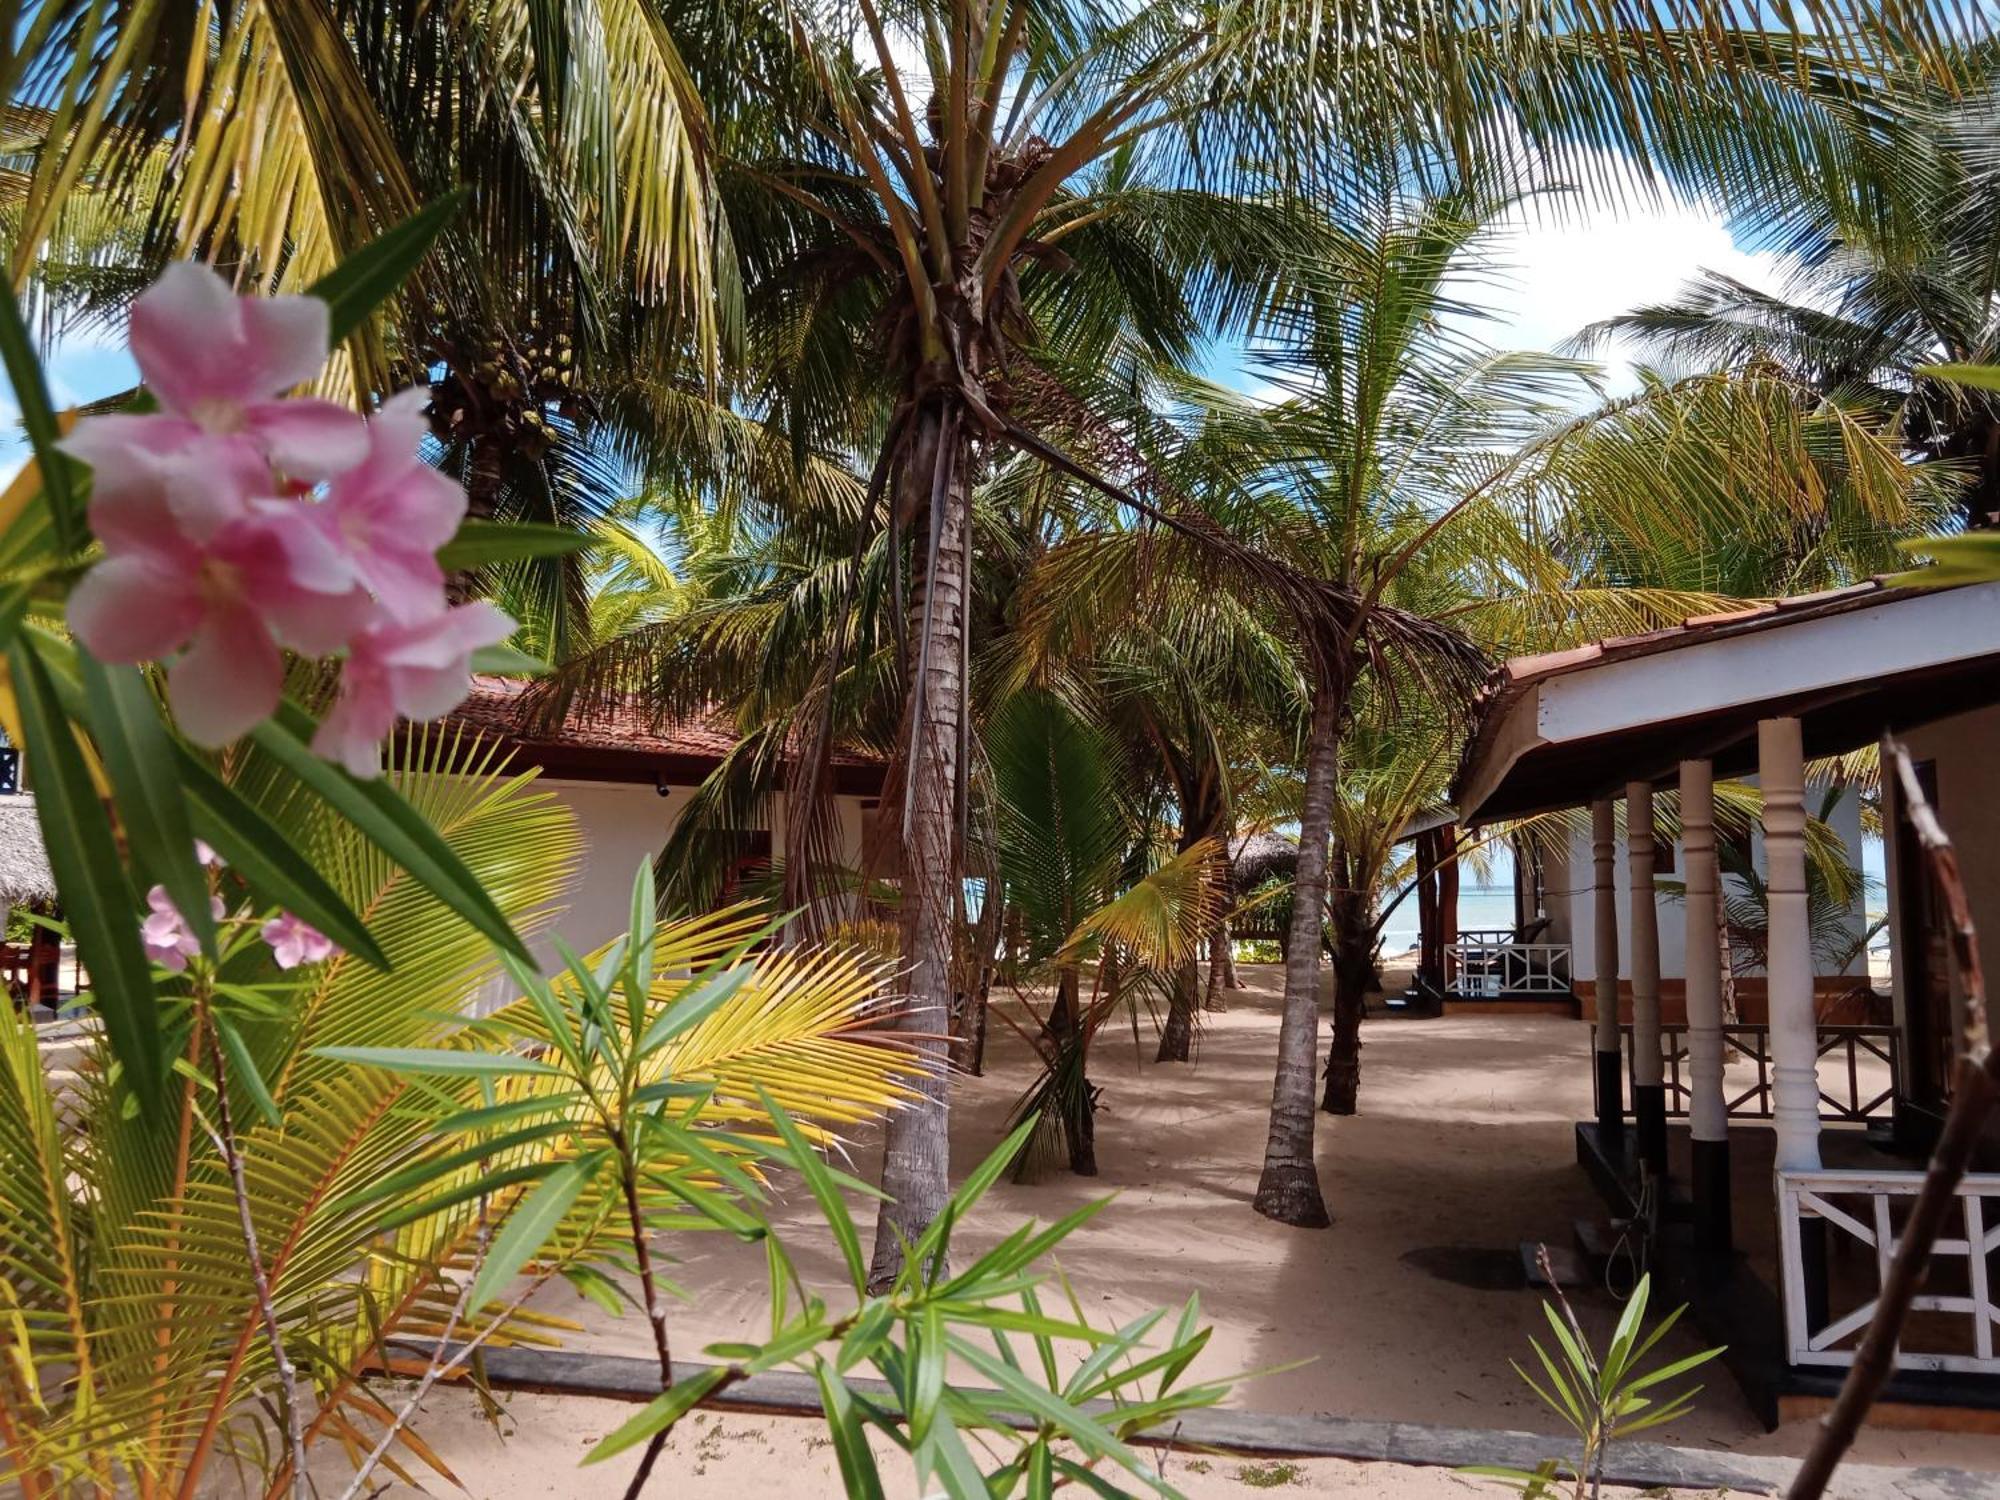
1514	678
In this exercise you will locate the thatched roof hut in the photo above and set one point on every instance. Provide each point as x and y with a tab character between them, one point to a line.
1255	859
25	877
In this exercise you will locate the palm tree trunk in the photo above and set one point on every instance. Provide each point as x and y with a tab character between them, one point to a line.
916	1158
1353	967
1218	966
1177	1036
485	474
1289	1191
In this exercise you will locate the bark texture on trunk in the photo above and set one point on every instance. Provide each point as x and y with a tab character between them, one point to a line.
1177	1036
1353	969
1289	1191
1218	966
916	1161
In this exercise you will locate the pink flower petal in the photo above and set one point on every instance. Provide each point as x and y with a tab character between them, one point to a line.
134	609
442	641
399	422
288	338
188	338
354	728
123	451
312	557
306	437
409	586
228	681
294	941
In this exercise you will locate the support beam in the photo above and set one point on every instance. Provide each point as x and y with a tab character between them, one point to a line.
1708	1111
1610	1060
1794	1027
1649	1093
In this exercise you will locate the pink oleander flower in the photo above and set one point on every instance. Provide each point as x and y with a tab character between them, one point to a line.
206	855
387	516
417	671
218	365
165	934
294	942
230	600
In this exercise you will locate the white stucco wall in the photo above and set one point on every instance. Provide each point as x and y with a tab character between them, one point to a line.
1569	889
622	824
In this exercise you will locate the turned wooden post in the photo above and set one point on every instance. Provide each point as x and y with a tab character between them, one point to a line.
1708	1112
1649	1090
1610	1057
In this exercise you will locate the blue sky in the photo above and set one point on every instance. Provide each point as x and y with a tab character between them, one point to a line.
1556	277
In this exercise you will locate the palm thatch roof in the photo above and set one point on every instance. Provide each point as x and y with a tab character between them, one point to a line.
1255	859
25	877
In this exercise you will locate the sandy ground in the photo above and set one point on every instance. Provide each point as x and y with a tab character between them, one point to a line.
730	1457
1463	1152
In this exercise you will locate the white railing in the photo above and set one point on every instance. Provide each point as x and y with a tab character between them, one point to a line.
1865	1212
1487	969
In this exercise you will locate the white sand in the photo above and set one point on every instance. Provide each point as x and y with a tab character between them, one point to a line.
722	1456
1464	1141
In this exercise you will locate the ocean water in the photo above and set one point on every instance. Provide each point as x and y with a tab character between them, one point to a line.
1479	906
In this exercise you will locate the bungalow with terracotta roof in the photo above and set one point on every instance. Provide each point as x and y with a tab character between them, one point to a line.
1772	1208
628	780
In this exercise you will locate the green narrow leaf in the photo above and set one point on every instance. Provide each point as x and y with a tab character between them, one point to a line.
480	544
244	1066
640	934
1977	377
97	896
598	1287
942	1453
695	1004
142	762
531	1223
1083	1429
927	1390
31	394
259	851
536	988
435	1060
859	1478
821	1185
379	812
374	273
661	1412
507	661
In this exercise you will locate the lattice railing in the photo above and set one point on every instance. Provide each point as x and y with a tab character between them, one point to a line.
1861	1085
1951	1327
1488	969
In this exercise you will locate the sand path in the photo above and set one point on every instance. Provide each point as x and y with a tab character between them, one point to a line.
1462	1152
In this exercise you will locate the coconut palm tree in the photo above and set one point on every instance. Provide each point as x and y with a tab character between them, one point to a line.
1867	308
964	179
945	168
1459	500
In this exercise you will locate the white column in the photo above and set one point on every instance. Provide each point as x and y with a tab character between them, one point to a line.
1604	893
1649	1103
1708	1112
1794	1029
1708	1116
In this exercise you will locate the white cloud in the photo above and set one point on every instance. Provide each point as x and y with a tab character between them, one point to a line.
1555	278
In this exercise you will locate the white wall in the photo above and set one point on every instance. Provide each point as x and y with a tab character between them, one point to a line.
622	824
1573	889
